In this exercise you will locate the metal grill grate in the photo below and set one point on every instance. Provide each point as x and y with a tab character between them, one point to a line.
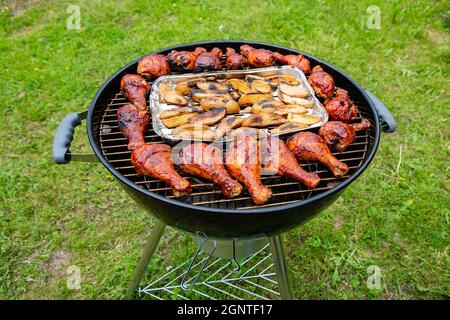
114	147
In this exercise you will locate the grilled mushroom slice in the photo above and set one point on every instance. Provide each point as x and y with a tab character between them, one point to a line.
198	94
289	127
178	120
293	91
263	120
240	85
171	95
252	98
192	131
210	117
179	111
267	106
211	85
215	102
303	119
291	108
295	100
227	124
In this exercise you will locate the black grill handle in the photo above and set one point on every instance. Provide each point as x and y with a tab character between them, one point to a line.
63	140
388	123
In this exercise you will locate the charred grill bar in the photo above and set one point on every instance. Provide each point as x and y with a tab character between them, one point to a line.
220	223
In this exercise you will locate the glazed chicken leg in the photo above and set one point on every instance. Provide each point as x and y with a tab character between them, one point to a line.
243	163
184	60
341	108
339	135
135	89
209	60
155	160
235	60
277	158
258	58
206	161
154	65
321	82
133	124
311	147
293	60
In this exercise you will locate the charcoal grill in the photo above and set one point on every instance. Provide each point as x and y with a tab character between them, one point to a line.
206	211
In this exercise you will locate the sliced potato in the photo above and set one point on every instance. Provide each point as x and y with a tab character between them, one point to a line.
198	95
247	131
214	102
291	108
252	98
295	100
183	88
227	124
293	91
235	95
266	106
170	95
191	131
240	85
263	120
246	110
261	86
211	85
209	118
288	79
178	120
179	111
289	127
250	78
304	119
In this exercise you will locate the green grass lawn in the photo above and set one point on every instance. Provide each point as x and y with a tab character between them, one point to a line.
395	216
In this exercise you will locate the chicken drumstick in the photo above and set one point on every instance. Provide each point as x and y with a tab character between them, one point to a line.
206	161
277	158
209	60
258	57
155	160
135	89
341	108
339	135
293	60
133	124
311	147
184	60
321	82
235	60
243	163
154	65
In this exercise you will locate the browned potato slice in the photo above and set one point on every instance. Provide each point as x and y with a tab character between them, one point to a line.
304	119
210	85
288	79
246	130
261	86
198	95
289	127
250	78
266	106
291	108
295	100
178	120
179	111
214	102
235	95
246	110
263	120
240	85
210	117
191	131
293	91
183	88
226	124
170	95
252	98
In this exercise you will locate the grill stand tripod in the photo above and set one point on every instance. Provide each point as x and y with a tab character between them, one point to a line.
274	247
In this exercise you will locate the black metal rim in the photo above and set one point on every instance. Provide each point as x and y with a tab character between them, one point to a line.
273	209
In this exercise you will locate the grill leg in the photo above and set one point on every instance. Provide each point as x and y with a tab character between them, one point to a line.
149	249
281	270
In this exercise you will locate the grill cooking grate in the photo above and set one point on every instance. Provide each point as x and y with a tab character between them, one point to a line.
114	147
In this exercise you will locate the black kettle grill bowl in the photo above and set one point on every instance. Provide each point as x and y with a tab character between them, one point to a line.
219	221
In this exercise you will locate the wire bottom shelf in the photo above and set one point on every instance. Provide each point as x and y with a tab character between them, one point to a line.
255	279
